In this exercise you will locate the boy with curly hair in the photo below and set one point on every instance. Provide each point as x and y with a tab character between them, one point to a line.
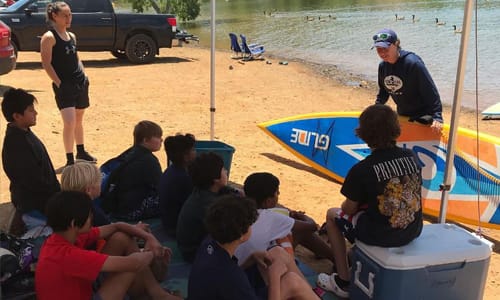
215	273
383	196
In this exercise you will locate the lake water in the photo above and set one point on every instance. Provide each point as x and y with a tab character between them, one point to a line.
345	39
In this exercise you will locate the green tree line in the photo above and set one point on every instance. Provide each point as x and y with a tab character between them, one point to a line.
185	10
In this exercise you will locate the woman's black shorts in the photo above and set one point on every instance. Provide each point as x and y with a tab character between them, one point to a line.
70	94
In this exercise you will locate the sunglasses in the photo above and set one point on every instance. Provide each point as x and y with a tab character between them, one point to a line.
381	37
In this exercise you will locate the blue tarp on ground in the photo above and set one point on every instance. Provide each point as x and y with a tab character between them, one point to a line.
178	270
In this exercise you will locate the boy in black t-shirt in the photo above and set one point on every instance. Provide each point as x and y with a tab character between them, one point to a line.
383	196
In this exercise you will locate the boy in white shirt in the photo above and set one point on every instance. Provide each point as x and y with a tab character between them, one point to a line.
272	225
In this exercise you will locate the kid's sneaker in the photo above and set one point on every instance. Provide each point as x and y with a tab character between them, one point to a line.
328	283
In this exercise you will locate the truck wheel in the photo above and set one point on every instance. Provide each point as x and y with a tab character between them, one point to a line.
14	45
141	49
120	54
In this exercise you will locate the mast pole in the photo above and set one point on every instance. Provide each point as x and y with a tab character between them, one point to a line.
212	71
457	103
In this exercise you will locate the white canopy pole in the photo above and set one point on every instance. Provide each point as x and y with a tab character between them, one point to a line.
457	102
212	71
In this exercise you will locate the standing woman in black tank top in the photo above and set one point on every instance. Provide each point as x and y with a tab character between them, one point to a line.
71	87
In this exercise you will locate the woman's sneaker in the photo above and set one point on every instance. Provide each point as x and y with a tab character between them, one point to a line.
86	157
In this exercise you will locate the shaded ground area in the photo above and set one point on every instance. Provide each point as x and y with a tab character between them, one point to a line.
174	92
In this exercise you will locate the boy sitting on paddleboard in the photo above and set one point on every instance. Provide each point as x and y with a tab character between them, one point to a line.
388	183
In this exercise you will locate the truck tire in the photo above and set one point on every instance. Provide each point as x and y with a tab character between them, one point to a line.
120	54
14	45
141	49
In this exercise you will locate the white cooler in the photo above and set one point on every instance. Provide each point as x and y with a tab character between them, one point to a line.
444	262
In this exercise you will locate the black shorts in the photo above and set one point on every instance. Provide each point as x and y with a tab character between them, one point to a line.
347	224
256	281
70	94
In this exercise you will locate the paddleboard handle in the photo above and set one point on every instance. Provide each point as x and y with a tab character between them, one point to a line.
425	120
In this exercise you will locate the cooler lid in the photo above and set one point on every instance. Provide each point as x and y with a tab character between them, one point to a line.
437	244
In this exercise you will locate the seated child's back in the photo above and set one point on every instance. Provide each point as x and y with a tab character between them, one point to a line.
175	183
136	187
209	177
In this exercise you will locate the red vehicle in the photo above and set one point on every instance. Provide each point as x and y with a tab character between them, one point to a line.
7	55
5	3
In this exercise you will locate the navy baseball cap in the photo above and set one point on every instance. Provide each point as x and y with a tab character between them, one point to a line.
384	38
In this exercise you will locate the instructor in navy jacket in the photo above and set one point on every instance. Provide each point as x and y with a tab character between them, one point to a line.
403	76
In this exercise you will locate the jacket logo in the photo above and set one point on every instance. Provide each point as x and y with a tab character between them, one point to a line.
393	84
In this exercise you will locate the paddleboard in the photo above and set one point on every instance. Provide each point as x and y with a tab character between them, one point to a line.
326	142
492	112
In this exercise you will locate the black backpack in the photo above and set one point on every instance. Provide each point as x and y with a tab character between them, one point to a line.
111	172
17	268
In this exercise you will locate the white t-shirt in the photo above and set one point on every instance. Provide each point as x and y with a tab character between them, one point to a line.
270	225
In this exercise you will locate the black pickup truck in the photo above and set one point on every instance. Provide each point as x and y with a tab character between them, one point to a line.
137	37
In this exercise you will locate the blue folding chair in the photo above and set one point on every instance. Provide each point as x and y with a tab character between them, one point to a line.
235	46
252	51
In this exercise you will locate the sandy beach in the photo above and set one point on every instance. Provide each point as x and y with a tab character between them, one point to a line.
174	92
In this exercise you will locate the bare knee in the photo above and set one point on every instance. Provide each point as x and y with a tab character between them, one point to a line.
120	243
69	125
278	253
79	115
294	286
69	116
292	280
331	213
